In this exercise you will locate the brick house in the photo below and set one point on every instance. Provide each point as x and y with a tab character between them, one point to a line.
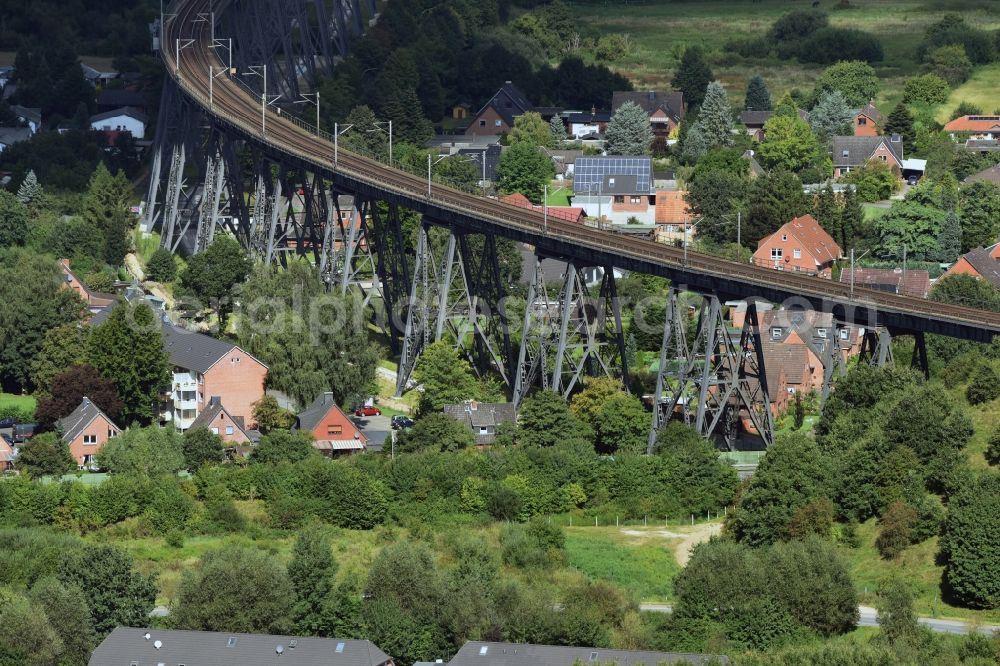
850	152
7	454
868	121
754	121
802	246
792	369
665	109
892	280
86	430
95	301
231	429
498	114
205	367
482	418
568	213
982	263
672	210
333	431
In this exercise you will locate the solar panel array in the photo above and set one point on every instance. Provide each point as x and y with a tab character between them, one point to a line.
590	173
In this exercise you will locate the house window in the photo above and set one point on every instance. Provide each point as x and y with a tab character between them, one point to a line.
882	158
229	430
619	199
496	123
776	253
784	237
482	123
791	390
215	431
845	333
111	433
334	429
821	332
797	253
635	200
484	431
90	439
776	333
845	153
862	121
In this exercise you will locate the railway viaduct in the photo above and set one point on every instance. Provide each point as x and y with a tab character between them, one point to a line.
234	68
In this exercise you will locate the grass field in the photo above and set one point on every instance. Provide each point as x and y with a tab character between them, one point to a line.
983	90
19	402
660	30
916	566
637	560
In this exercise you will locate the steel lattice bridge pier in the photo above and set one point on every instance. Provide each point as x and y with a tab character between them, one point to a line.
226	156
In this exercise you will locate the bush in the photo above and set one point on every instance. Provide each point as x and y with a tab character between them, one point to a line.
950	63
896	529
972	568
162	267
993	448
175	539
613	46
873	180
830	45
503	503
100	281
984	385
926	88
966	109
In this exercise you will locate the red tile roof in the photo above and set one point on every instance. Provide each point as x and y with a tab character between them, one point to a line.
974	124
913	283
569	213
672	208
813	237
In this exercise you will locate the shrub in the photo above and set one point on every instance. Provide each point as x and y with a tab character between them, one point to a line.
161	266
896	529
815	517
503	503
984	385
966	109
830	45
950	63
926	88
993	448
972	568
175	539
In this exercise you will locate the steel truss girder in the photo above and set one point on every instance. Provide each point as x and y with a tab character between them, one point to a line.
725	380
298	40
581	334
457	298
876	347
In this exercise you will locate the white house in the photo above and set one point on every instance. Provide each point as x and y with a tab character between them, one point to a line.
125	119
11	135
29	116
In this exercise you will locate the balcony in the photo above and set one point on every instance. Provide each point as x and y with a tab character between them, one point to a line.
185	381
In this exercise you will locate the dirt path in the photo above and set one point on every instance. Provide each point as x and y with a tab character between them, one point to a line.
697	534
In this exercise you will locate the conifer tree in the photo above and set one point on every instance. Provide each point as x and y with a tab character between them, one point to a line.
827	212
105	206
716	117
558	131
900	122
831	116
30	191
128	350
758	97
852	218
950	238
629	132
693	76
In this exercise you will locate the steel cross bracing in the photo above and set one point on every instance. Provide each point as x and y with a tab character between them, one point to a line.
573	334
718	382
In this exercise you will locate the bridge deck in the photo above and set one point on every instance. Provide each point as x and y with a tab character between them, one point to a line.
234	109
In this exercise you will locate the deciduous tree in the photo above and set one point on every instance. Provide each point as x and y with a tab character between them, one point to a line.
445	376
45	455
161	266
311	572
237	589
201	446
790	144
526	169
979	204
855	79
69	388
116	594
545	420
530	128
213	275
13	220
283	445
148	452
972	568
438	432
926	89
63	347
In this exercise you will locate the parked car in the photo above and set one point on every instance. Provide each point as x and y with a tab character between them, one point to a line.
23	432
368	411
401	422
7	423
912	180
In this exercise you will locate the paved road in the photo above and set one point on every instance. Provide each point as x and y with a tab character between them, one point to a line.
868	617
376	428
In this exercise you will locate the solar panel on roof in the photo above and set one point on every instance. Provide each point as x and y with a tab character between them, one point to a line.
590	174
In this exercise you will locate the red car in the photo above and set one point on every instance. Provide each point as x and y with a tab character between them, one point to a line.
368	411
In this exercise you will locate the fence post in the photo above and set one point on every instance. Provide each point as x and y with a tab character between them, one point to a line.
595	521
644	521
616	521
692	520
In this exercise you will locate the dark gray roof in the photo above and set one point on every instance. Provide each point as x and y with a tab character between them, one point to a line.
115	99
214	408
125	646
758	118
123	111
478	415
985	265
589	117
310	417
72	425
612	174
27	113
476	653
671	101
186	349
855	150
991	175
508	102
475	156
11	135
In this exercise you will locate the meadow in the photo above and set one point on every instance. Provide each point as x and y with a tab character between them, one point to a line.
660	30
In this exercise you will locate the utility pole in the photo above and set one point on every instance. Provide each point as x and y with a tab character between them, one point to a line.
739	224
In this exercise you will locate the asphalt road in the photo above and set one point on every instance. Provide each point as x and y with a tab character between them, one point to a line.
376	428
868	617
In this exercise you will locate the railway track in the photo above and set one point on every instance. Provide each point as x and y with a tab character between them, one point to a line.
231	105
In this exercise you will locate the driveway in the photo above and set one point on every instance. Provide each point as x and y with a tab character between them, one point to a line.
376	429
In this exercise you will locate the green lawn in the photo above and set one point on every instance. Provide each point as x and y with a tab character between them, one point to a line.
661	29
983	89
873	212
644	568
18	402
560	197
